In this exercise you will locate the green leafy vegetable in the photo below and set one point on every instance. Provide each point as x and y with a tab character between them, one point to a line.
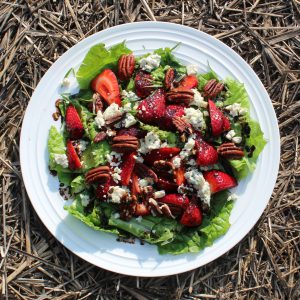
64	177
97	59
78	184
203	78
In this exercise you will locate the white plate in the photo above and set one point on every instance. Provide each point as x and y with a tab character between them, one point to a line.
102	249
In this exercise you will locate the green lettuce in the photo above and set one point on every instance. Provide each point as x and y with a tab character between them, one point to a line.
78	184
203	78
65	178
96	60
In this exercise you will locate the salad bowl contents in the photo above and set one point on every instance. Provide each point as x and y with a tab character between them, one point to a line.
150	148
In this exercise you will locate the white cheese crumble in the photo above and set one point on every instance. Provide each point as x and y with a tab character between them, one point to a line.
66	82
236	110
82	145
129	120
129	95
85	200
191	69
159	194
116	193
150	142
127	107
232	197
116	215
194	117
198	100
99	120
61	159
237	139
116	174
230	134
114	158
188	147
112	111
139	158
145	182
196	179
191	162
110	132
139	219
150	62
176	162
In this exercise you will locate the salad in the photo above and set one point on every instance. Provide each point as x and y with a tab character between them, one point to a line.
149	148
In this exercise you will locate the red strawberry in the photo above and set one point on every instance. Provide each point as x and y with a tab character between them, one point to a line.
106	84
151	109
179	175
168	186
219	123
177	200
135	187
141	210
189	82
192	216
171	112
73	123
219	180
143	84
102	189
161	154
74	161
206	153
127	167
132	131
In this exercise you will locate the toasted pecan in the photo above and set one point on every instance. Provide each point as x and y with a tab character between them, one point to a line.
99	174
182	125
212	88
231	151
180	95
169	78
125	143
126	66
143	171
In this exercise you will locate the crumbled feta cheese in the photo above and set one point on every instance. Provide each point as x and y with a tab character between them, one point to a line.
191	162
112	111
130	96
150	142
176	162
116	174
116	193
237	139
66	82
85	200
205	113
145	182
188	147
236	110
198	100
159	194
194	117
196	179
230	134
139	219
139	159
150	62
99	120
110	132
191	69
116	215
129	120
232	197
82	145
114	158
127	107
61	159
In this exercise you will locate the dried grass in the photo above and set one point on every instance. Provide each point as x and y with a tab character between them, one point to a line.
264	265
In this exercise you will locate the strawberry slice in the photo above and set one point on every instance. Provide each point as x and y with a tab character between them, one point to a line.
73	123
151	109
132	131
141	210
219	180
219	123
179	175
192	216
161	154
177	200
168	186
206	153
102	189
189	82
106	84
127	167
171	112
135	187
143	84
73	158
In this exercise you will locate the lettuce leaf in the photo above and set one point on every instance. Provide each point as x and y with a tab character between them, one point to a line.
65	178
77	184
96	60
170	137
203	78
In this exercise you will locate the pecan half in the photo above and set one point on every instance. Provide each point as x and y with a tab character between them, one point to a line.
100	174
182	125
125	143
96	104
180	95
164	209
230	150
213	88
126	66
169	78
163	165
143	171
100	137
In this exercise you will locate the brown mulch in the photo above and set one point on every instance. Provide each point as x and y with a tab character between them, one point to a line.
264	265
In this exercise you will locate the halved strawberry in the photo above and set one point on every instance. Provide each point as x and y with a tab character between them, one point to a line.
177	200
189	82
135	187
106	84
73	123
219	123
102	189
161	154
132	131
73	158
192	216
171	112
127	167
206	153
151	109
168	186
219	180
143	84
179	175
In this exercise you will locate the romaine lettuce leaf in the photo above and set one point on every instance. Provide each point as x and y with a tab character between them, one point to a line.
77	184
96	60
203	78
64	177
